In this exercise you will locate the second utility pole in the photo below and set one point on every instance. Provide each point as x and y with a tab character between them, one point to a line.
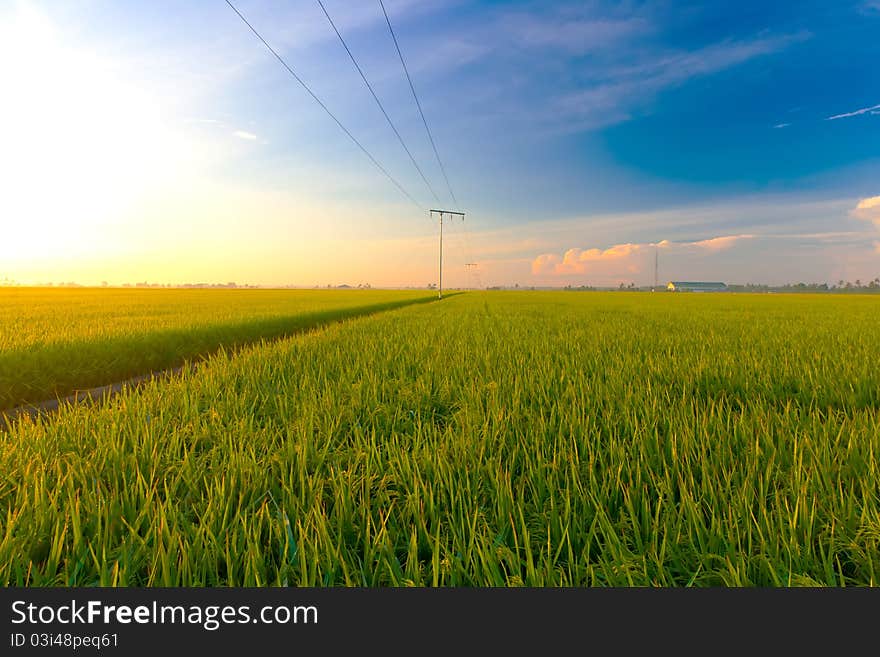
441	213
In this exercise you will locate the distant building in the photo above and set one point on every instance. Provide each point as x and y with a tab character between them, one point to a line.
695	286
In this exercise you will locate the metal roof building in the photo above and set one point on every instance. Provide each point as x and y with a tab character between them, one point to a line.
696	286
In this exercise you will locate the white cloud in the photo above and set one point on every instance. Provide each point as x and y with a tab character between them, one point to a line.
242	134
868	209
864	110
781	125
795	237
869	203
622	260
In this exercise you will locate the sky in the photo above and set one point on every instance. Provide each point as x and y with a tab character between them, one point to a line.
163	142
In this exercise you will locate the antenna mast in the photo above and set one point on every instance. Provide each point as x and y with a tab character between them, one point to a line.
656	259
441	213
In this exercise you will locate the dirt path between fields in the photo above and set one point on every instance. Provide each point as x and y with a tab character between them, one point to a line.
90	396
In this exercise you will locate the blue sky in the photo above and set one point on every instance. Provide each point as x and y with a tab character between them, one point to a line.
743	139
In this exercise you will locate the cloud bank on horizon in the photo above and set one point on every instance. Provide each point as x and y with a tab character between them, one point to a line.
623	261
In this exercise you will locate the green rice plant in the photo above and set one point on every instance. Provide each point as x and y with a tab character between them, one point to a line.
55	341
492	439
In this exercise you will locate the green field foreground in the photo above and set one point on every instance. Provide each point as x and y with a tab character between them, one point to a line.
490	439
55	341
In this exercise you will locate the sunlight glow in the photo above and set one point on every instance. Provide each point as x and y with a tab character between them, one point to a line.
79	143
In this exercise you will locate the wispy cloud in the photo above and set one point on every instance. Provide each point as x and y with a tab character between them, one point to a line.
202	121
575	35
218	126
721	243
577	67
846	115
300	24
781	125
616	92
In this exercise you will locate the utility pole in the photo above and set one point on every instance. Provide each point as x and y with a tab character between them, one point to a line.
441	213
656	259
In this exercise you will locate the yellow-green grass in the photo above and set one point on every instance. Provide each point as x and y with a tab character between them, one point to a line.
491	439
55	341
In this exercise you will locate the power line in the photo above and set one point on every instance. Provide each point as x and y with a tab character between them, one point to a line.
378	102
418	104
324	107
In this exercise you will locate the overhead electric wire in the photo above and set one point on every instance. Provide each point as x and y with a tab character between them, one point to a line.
467	247
418	104
326	109
378	102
